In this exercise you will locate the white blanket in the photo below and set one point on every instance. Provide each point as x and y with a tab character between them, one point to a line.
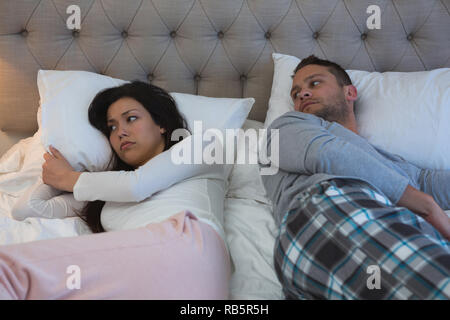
20	167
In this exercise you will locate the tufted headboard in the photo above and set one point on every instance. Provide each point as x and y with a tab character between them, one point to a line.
216	48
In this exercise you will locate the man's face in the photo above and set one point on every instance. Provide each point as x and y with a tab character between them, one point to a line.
315	90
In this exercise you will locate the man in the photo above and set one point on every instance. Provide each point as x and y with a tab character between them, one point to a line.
356	222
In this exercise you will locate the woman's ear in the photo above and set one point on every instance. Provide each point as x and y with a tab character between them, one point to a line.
162	130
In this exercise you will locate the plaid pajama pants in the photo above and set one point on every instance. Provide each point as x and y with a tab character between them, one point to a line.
343	240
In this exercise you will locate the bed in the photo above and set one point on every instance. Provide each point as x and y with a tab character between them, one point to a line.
211	48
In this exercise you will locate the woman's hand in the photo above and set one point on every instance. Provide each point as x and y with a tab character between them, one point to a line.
57	172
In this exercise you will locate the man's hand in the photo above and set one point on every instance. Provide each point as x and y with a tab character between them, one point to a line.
425	206
439	219
57	172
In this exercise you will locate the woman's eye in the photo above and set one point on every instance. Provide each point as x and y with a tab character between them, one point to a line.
314	83
132	117
111	128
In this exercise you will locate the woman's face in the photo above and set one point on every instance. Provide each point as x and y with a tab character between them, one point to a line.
129	121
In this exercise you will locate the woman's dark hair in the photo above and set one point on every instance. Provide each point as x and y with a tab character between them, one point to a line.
342	77
164	112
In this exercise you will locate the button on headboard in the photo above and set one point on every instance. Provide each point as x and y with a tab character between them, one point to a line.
216	48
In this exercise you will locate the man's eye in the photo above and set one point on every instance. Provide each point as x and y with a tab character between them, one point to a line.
132	117
295	96
314	83
111	128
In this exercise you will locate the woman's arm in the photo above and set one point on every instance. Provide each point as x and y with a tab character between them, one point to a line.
41	200
57	171
157	174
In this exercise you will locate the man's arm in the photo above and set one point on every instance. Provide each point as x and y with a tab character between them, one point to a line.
434	182
424	205
310	145
437	184
307	146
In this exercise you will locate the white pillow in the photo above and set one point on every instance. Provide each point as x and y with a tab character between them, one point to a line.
220	113
65	99
280	101
405	113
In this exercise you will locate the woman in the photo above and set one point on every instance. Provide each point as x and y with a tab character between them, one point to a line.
174	256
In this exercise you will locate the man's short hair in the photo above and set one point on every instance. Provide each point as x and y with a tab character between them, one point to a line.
339	73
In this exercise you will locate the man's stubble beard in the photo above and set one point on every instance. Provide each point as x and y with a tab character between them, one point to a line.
335	111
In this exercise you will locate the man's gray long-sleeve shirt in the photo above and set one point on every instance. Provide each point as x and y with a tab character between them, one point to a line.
312	150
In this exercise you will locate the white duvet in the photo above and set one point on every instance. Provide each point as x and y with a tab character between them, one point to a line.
249	226
20	167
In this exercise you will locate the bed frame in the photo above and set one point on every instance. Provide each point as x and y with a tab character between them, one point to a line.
219	48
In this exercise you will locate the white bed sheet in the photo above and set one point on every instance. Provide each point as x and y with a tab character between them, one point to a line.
20	167
250	228
251	231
